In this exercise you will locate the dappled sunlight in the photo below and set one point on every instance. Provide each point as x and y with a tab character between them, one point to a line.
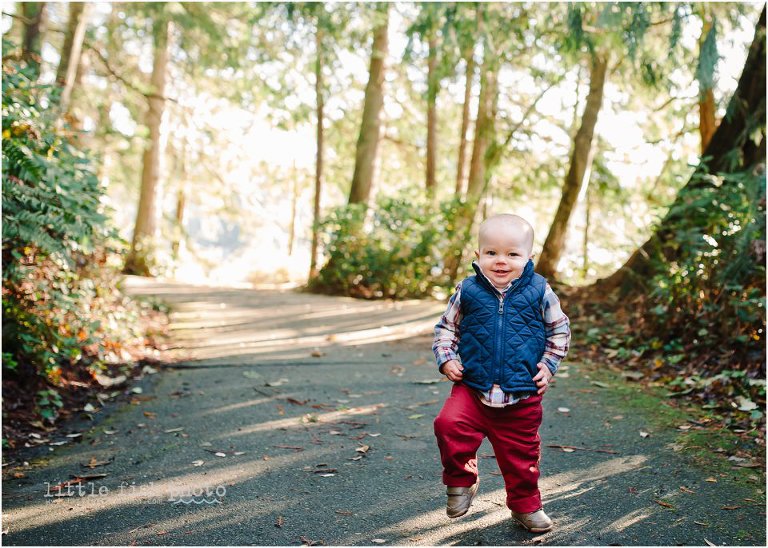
628	520
297	422
565	482
139	494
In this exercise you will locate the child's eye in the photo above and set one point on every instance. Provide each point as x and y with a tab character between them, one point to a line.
491	252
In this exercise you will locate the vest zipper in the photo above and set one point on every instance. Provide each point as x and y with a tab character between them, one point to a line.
499	341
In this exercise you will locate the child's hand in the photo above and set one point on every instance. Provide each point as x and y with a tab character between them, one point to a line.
453	370
542	378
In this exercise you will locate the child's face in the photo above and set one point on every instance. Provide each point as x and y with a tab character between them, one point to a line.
504	252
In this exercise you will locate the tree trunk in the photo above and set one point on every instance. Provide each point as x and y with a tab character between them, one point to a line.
733	147
32	37
368	140
468	78
142	244
294	203
555	242
70	53
707	108
431	116
479	172
320	105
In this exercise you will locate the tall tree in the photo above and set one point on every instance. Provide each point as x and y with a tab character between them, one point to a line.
320	148
737	144
555	242
34	15
142	244
704	74
368	140
466	39
71	52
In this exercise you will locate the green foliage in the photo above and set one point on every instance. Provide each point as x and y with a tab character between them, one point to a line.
712	291
393	254
59	300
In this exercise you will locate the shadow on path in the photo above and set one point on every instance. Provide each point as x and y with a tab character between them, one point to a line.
291	418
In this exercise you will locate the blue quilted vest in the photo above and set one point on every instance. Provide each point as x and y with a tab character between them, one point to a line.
502	341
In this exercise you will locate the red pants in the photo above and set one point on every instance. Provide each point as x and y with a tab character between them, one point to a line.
513	431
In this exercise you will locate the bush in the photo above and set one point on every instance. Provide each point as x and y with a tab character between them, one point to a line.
712	294
391	251
61	308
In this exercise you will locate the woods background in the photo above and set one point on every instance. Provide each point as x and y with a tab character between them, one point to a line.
353	148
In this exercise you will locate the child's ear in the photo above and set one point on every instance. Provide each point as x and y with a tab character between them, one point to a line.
477	253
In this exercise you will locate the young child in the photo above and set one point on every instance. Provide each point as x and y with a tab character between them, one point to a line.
500	341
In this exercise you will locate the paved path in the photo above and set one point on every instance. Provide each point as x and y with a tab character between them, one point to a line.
290	418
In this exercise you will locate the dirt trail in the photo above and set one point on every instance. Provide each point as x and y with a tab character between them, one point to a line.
290	418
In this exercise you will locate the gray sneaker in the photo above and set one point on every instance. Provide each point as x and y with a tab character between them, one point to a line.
535	522
460	499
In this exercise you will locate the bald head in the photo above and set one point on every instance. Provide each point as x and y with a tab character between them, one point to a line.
507	226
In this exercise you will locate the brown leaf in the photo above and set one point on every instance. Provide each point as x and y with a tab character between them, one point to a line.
686	490
295	401
733	507
307	542
150	414
711	480
280	521
363	449
663	503
317	354
344	512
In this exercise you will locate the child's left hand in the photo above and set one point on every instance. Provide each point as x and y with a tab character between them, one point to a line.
542	378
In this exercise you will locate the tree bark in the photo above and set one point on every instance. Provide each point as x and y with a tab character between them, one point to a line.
737	134
707	120
32	36
555	242
71	52
468	78
431	116
368	140
320	105
142	244
483	152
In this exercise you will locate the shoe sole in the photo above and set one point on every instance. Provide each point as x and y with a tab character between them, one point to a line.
533	529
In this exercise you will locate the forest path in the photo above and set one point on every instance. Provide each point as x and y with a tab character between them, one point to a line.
290	418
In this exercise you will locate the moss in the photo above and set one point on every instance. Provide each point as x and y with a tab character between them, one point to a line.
707	448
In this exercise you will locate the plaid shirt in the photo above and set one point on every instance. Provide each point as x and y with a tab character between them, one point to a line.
556	325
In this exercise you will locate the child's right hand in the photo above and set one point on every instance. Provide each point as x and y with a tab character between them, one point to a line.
453	370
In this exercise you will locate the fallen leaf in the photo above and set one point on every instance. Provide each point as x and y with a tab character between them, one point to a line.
280	521
150	414
663	503
331	471
327	475
137	390
172	430
335	433
89	408
93	463
378	541
307	542
295	448
344	512
75	435
568	450
363	449
733	507
701	523
416	416
684	427
563	410
376	435
317	354
709	543
686	490
600	384
220	454
745	404
617	417
198	462
711	480
644	434
295	401
110	432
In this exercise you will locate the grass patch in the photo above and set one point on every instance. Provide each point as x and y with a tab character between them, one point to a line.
707	447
